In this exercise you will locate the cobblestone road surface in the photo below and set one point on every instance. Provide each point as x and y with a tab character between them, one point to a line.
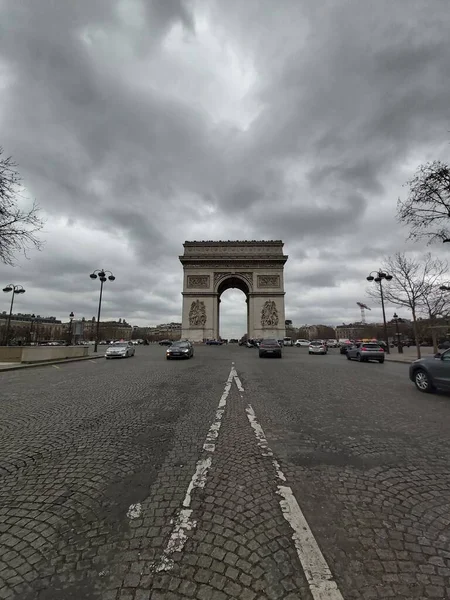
151	479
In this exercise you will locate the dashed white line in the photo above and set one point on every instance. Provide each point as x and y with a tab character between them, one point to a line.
183	522
134	511
318	575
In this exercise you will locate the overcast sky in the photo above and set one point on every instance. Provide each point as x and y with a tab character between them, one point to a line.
140	124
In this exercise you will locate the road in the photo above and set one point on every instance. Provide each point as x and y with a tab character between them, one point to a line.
225	476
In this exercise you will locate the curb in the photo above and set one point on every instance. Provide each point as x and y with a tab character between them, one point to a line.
396	360
50	362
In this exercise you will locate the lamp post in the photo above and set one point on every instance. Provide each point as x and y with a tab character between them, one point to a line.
71	316
15	289
33	317
101	274
380	275
399	342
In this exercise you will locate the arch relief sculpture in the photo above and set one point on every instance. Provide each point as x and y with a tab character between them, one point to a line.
269	314
197	314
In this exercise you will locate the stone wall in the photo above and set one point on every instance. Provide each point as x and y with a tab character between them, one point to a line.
31	354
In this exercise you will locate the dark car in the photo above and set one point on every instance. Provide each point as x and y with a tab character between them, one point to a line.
165	342
431	372
214	342
180	350
444	345
344	347
269	347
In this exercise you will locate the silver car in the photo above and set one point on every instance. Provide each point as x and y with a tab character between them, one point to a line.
317	347
365	351
120	350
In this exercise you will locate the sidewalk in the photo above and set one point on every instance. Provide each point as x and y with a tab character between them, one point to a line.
9	366
408	355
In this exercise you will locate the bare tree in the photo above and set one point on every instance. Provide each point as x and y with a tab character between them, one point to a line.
413	281
435	304
18	226
427	208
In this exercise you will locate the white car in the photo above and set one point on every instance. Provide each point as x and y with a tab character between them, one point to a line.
317	347
299	343
120	350
332	343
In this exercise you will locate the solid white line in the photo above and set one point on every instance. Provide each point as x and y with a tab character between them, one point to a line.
183	521
315	567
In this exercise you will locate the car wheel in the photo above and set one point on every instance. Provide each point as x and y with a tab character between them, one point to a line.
348	357
381	361
423	382
309	353
359	357
167	357
261	355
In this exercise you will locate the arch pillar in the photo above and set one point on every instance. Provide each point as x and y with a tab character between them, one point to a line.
256	268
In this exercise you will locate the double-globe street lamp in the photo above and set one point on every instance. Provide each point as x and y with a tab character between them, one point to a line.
381	276
102	275
15	289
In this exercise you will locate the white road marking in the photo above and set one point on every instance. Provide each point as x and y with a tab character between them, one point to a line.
317	572
134	511
183	522
237	381
56	367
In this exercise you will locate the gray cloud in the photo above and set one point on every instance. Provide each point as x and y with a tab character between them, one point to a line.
140	124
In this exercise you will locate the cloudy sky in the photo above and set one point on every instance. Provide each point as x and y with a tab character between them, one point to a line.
139	124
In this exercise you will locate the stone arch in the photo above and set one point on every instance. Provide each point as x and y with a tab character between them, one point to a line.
254	267
238	281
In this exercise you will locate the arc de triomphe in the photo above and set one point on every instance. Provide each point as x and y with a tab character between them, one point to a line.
254	267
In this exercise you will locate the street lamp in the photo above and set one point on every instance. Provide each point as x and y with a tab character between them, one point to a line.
397	320
71	316
33	317
15	289
380	275
101	274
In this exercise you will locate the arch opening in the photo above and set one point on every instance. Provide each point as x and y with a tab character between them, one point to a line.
232	326
233	283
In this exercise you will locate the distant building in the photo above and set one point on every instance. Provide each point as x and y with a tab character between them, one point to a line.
108	330
27	327
170	331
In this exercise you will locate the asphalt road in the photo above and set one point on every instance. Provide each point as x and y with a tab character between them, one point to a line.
225	476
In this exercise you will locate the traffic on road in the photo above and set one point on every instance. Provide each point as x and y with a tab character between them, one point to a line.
224	477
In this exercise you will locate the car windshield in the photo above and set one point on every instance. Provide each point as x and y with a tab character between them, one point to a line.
180	344
371	345
120	345
270	342
316	344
